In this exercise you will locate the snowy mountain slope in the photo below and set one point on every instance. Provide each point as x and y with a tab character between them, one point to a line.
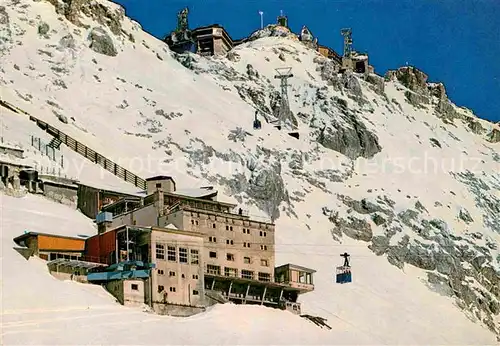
363	167
39	309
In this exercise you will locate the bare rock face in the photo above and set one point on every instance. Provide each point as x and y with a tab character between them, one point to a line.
476	127
267	188
329	72
494	136
353	227
376	81
5	31
67	41
438	90
104	15
43	29
416	99
352	139
233	56
101	42
351	83
4	16
410	77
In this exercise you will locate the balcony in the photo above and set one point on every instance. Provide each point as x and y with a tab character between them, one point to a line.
300	286
294	276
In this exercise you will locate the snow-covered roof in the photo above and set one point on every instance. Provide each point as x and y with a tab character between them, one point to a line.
32	234
197	192
15	162
11	147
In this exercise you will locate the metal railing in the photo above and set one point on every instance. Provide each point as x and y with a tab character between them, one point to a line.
82	149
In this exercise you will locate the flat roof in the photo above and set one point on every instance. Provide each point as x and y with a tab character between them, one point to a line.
153	228
76	263
218	26
160	177
198	192
135	194
228	215
297	267
34	234
60	184
197	199
253	282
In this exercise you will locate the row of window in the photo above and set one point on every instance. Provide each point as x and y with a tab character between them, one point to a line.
245	274
246	260
173	255
231	242
172	273
227	220
172	289
230	228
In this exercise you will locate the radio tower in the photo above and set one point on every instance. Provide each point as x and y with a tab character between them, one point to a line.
283	74
347	33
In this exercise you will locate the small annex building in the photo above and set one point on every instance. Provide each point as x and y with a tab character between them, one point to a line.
50	247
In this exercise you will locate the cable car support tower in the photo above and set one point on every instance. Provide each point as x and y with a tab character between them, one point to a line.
283	74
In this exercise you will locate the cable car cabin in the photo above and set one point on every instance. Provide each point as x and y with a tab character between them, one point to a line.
344	275
256	123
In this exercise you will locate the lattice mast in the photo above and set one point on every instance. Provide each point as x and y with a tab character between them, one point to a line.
182	20
347	33
283	74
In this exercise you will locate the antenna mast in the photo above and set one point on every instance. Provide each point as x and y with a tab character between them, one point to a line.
261	20
347	33
283	74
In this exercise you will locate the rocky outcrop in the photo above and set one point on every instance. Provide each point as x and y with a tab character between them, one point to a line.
416	99
352	226
450	260
410	77
352	139
272	31
364	206
437	90
353	142
233	56
465	216
4	16
329	71
494	136
351	84
267	188
446	111
101	42
67	41
43	29
476	127
377	82
104	15
6	41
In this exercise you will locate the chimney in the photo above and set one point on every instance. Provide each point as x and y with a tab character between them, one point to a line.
160	200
